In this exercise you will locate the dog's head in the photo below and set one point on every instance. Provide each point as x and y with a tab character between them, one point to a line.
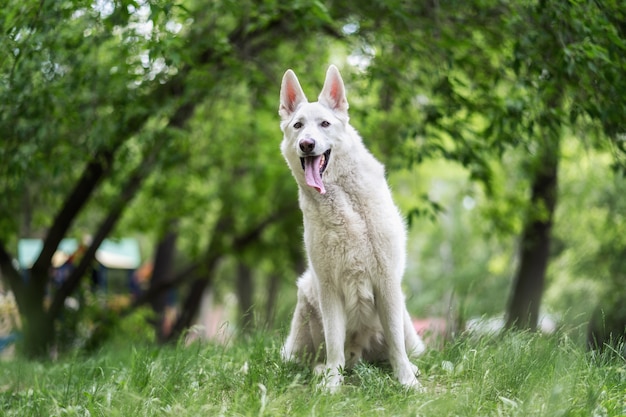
312	131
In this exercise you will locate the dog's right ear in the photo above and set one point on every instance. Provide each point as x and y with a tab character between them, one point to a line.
291	95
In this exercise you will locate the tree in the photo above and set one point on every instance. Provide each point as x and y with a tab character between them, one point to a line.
142	77
124	115
566	74
486	94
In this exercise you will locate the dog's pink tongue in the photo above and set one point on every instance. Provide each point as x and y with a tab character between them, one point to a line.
312	173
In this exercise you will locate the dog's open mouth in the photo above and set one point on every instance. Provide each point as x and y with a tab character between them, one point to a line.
314	167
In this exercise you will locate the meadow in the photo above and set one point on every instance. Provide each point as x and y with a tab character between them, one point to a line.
516	374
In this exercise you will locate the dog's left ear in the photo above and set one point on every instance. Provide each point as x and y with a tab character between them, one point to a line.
333	93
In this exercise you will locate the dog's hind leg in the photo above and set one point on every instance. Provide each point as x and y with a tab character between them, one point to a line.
306	335
299	344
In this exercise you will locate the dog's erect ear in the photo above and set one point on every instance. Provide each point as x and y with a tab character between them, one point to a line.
333	93
291	95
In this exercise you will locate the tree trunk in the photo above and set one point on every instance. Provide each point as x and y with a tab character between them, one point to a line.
37	327
191	304
190	307
163	266
525	300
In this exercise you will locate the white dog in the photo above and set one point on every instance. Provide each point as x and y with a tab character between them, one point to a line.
350	302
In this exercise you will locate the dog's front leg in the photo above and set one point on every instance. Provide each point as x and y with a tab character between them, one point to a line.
391	309
334	321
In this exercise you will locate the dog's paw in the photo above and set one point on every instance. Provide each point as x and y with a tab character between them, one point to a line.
408	378
330	383
412	383
330	379
286	354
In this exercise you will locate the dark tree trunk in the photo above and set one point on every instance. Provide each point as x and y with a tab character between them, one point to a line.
163	267
95	170
204	279
190	306
525	300
37	327
37	330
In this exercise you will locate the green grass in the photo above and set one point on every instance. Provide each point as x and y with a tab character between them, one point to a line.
513	375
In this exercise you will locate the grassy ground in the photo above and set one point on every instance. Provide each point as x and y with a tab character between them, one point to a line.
513	375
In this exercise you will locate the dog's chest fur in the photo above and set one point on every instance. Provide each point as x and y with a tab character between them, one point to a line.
355	238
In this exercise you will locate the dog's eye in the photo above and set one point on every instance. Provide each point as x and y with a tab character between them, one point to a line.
325	123
297	125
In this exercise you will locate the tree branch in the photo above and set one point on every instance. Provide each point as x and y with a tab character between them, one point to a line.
130	188
246	238
95	170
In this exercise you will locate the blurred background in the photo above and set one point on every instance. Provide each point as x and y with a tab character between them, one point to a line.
144	196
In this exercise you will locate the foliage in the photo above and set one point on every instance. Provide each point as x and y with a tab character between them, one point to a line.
181	98
518	375
487	98
456	267
156	64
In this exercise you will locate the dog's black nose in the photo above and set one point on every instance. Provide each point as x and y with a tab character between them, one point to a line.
307	145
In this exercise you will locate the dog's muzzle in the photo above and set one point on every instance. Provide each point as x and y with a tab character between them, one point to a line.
314	166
